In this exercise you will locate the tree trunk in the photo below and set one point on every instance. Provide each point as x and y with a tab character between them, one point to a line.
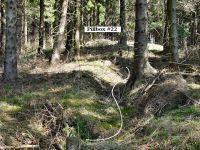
33	37
173	35
47	41
70	31
10	62
123	37
41	27
2	31
94	20
59	38
19	25
140	46
77	30
194	27
69	41
25	25
198	28
82	22
166	31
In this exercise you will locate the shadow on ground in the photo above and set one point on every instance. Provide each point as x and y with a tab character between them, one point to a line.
95	114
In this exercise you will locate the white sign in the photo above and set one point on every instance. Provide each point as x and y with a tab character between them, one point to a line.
102	29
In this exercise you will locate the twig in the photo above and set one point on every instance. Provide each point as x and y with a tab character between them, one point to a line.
148	85
152	83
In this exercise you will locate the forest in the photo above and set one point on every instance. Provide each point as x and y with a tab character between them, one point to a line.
62	88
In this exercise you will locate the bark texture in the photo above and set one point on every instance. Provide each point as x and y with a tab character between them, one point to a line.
77	30
123	37
70	30
2	31
59	38
173	35
41	28
10	61
19	25
141	64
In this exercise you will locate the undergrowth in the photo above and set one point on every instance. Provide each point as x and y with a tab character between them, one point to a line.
86	94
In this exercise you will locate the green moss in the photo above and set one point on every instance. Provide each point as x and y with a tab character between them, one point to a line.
176	140
81	126
183	113
8	88
193	146
129	111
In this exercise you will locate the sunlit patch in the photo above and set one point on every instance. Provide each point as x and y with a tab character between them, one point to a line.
92	113
37	126
58	89
5	107
194	86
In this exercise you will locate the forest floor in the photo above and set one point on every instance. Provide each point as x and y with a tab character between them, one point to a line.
49	103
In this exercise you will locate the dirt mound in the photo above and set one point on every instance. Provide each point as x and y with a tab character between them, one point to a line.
167	93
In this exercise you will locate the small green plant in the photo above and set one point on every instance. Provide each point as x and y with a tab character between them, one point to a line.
8	88
69	131
81	127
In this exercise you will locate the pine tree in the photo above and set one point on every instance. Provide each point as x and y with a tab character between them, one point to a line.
10	62
173	35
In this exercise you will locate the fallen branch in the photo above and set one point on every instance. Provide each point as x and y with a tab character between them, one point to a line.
149	85
152	83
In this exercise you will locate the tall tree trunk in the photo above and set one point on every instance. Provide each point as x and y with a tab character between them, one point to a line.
173	35
94	20
141	64
51	35
33	34
41	27
123	37
47	34
69	40
77	30
140	44
166	31
70	30
194	28
19	25
82	22
198	27
59	38
2	31
10	61
25	25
